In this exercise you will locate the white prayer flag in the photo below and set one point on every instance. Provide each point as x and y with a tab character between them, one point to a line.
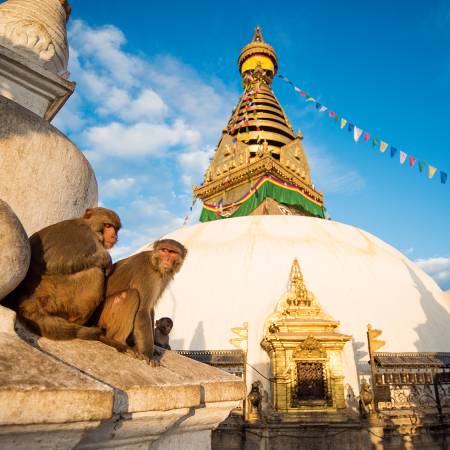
403	156
357	132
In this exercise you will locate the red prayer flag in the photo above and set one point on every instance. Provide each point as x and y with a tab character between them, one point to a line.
331	113
366	136
412	161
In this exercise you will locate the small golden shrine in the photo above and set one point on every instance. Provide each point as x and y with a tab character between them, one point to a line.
259	166
305	349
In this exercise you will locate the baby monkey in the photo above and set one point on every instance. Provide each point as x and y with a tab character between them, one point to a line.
162	330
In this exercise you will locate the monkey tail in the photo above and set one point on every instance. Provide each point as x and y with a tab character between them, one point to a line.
53	327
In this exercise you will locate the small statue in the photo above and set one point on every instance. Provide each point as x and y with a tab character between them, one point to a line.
365	399
254	399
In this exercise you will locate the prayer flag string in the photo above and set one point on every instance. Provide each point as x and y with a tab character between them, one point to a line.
357	132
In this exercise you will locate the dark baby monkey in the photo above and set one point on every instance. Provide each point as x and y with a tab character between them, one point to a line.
162	330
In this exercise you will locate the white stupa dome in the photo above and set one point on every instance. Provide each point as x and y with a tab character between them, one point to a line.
238	269
37	30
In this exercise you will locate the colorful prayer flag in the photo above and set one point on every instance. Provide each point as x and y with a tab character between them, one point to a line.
350	127
421	166
323	109
431	171
366	136
393	151
443	177
318	105
403	157
310	99
343	122
357	133
332	114
412	161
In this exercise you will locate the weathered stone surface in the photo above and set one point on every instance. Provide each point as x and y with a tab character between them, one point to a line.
37	30
35	388
14	250
178	383
43	175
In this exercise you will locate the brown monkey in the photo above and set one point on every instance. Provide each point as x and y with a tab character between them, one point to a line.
66	279
162	330
132	291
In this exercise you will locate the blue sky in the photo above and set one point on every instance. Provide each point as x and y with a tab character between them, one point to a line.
156	83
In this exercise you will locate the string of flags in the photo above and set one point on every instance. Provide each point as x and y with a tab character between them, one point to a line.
359	133
186	218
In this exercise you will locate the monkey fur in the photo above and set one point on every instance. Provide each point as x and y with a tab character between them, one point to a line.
66	279
132	292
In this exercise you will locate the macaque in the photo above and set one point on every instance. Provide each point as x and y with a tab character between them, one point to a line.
162	330
132	292
65	282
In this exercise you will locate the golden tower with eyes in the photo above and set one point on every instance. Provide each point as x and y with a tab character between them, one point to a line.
259	166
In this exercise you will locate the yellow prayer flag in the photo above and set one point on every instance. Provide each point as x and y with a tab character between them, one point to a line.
383	146
431	171
343	122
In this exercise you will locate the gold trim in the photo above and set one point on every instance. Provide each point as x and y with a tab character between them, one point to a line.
243	175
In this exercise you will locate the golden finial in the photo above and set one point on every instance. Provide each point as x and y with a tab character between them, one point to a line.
258	37
258	54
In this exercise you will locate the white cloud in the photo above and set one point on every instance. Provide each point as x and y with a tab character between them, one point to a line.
138	139
333	176
148	105
438	268
115	187
194	163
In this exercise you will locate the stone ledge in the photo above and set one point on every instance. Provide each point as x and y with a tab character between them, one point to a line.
35	389
178	383
86	395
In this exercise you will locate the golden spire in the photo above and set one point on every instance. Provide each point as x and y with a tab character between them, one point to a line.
258	142
297	286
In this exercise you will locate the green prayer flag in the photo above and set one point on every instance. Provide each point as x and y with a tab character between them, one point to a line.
375	142
421	166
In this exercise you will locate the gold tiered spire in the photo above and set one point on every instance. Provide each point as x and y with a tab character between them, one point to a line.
258	155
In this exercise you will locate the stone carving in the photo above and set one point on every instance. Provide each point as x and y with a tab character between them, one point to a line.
365	399
32	35
37	30
254	399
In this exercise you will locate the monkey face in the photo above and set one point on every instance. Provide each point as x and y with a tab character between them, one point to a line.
165	327
109	236
167	257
